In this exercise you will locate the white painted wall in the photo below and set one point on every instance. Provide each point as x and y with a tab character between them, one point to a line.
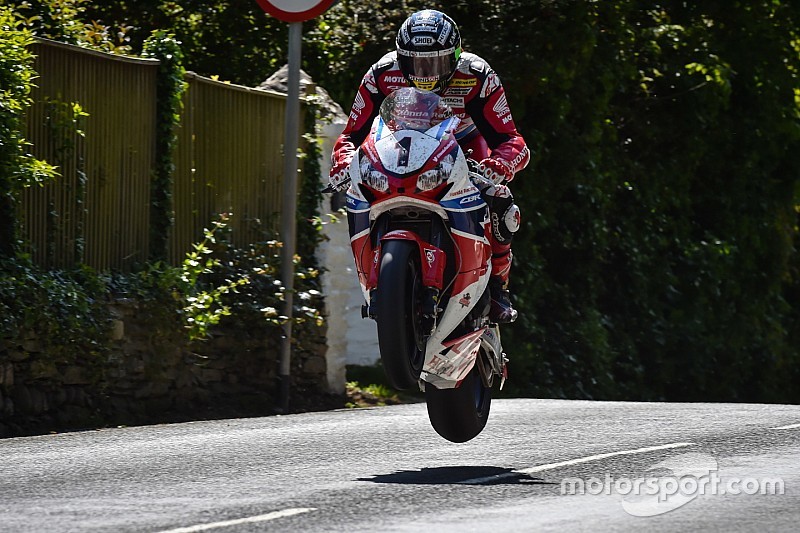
351	339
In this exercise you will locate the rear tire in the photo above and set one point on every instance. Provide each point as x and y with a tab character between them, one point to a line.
460	414
398	314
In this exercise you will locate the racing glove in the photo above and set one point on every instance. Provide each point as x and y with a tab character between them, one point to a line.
496	170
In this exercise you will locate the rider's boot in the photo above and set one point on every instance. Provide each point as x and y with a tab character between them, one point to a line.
501	311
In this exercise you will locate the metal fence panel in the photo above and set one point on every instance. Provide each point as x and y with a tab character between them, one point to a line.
98	211
228	160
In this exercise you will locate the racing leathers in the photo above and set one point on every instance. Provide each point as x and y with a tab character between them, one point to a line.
487	134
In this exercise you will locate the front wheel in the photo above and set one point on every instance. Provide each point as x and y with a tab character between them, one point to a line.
460	414
399	314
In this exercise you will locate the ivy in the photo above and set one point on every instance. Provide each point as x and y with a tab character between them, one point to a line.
170	88
64	311
309	223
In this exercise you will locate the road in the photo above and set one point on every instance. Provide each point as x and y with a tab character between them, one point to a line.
385	469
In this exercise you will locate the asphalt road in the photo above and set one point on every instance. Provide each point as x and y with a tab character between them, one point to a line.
540	465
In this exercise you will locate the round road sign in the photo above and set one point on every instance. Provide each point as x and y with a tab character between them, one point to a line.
295	10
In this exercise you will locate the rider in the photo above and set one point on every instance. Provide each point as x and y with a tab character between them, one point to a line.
429	57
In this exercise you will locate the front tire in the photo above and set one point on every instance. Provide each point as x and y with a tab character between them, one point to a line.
460	414
398	314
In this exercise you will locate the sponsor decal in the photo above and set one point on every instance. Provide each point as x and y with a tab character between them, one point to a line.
522	156
452	91
359	104
423	40
513	219
369	83
465	300
491	84
430	256
468	199
501	191
404	35
426	84
496	228
452	368
460	82
394	79
501	107
446	29
453	101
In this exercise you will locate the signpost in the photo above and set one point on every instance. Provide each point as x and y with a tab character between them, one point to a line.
294	12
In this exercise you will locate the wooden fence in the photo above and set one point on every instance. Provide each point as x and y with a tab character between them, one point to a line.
228	159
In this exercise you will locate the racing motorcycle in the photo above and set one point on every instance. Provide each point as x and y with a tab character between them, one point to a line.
418	235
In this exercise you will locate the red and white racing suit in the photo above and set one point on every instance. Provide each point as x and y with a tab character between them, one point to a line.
476	95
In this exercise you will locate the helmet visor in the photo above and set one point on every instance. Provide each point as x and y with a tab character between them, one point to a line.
427	69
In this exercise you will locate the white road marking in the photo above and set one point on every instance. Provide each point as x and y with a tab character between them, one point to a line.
249	520
790	426
579	460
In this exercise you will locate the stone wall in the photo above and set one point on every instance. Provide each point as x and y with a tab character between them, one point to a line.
152	374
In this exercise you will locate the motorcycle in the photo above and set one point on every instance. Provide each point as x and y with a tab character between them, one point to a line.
419	225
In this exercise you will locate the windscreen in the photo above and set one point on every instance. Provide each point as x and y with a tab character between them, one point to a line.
410	108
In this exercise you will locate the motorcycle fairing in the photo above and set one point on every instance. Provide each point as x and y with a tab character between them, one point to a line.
447	362
394	153
447	368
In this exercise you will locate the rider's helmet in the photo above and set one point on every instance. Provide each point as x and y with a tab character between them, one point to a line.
428	48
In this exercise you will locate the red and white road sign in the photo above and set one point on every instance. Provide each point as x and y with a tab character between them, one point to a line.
295	10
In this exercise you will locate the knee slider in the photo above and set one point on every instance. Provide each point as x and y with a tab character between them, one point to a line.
503	212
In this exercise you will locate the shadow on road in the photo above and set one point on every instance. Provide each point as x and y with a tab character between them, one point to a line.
452	475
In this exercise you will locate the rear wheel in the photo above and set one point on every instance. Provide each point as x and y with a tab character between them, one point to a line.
398	309
460	414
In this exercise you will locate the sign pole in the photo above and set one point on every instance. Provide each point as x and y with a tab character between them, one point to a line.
289	212
293	12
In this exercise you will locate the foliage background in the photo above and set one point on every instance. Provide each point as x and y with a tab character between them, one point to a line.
658	259
67	310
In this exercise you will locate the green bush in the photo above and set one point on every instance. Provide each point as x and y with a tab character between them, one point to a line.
241	287
18	168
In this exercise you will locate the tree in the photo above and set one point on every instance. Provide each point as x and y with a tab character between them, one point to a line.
18	169
659	253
